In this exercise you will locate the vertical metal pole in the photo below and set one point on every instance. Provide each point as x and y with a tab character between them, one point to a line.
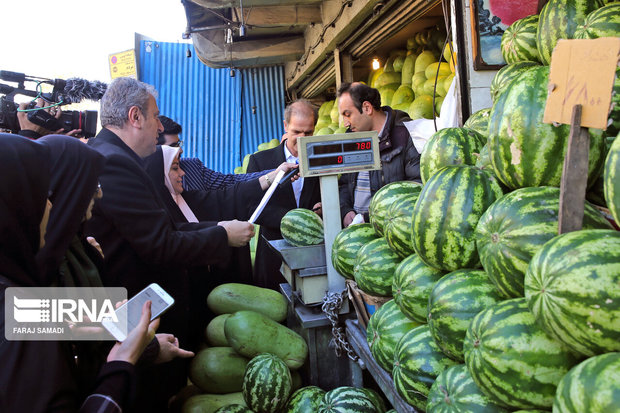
332	226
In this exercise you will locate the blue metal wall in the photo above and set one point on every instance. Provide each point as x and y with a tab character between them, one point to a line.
215	109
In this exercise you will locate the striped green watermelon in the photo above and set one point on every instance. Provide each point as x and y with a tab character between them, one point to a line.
413	282
376	399
446	214
525	151
515	227
301	227
374	267
454	301
346	245
266	383
233	408
346	400
479	121
385	328
484	162
559	19
612	180
384	197
417	363
603	22
450	146
592	386
504	77
397	226
305	400
519	41
512	359
572	287
454	391
531	411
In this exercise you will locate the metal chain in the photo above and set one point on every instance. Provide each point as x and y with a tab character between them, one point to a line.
331	305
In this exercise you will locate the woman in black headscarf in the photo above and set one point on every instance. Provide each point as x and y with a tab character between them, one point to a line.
36	376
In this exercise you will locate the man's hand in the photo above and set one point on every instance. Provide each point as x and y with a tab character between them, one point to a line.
25	124
318	208
169	349
93	242
131	349
239	232
348	218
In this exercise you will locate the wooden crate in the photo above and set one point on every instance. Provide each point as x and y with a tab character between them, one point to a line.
365	304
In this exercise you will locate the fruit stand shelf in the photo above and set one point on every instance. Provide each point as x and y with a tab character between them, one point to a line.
357	338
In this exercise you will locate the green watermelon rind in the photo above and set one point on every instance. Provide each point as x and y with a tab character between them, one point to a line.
611	185
397	225
374	268
518	42
301	227
346	245
383	198
346	400
266	384
306	399
602	22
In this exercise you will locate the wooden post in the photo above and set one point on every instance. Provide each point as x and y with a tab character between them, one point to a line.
574	176
337	68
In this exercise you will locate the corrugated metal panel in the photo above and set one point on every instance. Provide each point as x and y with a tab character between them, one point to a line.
210	105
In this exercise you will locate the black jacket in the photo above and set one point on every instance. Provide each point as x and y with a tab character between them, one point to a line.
267	262
400	161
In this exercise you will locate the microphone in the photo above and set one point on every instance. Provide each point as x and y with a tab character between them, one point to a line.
75	89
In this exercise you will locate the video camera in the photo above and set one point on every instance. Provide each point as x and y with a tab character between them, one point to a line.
64	92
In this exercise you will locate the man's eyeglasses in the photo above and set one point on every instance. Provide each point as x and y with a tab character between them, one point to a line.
176	144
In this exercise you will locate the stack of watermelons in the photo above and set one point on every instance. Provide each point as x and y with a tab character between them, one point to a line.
513	315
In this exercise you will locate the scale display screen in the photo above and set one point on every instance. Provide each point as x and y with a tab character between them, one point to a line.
342	147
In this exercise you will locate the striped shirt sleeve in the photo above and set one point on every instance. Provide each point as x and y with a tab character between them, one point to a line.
199	177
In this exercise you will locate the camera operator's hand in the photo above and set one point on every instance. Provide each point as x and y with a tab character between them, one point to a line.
26	125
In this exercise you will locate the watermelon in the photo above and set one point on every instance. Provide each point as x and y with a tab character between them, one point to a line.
413	282
384	197
592	386
504	77
559	19
233	408
375	398
515	227
519	41
446	214
397	225
454	391
385	328
512	359
417	363
374	267
266	383
305	400
346	245
450	146
525	151
612	180
572	286
453	303
301	227
479	121
603	22
346	400
484	162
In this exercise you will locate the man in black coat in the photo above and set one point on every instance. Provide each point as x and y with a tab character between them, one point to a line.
361	110
141	243
299	120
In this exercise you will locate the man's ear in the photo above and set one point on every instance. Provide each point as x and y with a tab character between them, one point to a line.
134	116
367	108
285	126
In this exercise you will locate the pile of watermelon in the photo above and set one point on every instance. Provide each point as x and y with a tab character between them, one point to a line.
491	309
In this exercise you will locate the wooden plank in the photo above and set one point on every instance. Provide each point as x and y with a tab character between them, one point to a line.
222	4
574	176
347	67
337	67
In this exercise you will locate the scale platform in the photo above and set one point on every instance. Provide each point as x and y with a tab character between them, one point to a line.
304	268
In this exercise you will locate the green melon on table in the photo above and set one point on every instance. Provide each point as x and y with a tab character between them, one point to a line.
454	391
384	197
346	245
612	179
603	22
559	19
454	301
479	121
446	214
515	227
305	400
505	76
346	400
266	383
218	370
385	329
234	408
591	386
301	227
397	225
519	41
374	268
417	363
413	283
572	287
512	359
450	146
525	151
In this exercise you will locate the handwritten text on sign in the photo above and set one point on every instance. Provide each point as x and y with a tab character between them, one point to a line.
582	72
